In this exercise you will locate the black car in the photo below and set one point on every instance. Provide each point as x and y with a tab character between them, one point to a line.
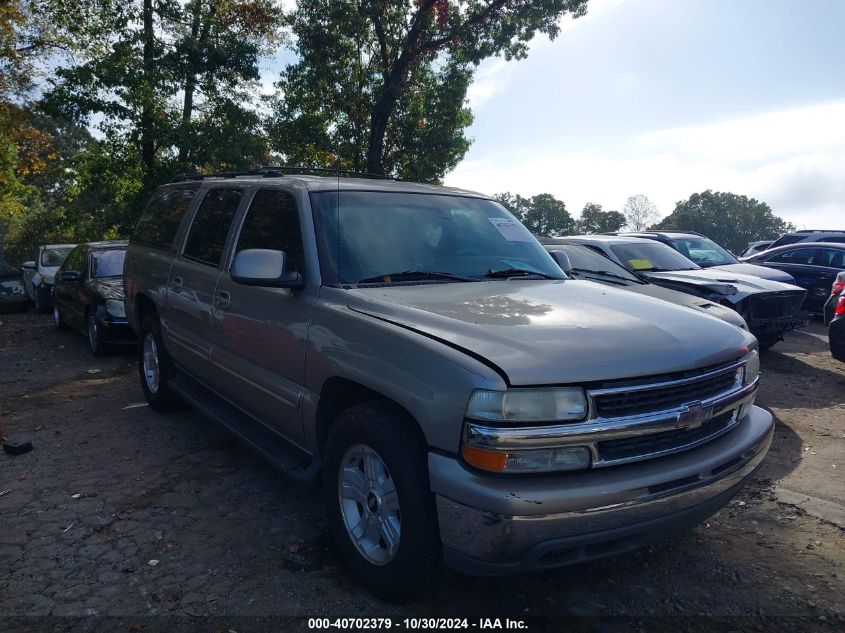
707	254
588	265
88	294
814	265
810	235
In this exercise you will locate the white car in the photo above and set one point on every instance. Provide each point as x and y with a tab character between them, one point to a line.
38	274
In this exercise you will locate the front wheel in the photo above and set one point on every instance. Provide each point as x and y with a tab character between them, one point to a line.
95	336
379	501
155	367
58	320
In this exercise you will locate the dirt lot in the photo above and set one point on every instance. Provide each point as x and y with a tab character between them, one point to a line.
127	513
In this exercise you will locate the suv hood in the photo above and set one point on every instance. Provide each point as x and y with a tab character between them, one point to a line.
733	287
772	274
557	332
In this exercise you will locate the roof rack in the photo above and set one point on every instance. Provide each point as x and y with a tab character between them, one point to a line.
820	231
276	172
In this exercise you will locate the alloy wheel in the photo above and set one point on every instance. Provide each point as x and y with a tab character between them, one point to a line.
151	363
369	504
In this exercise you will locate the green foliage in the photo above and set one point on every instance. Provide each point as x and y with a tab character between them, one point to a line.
543	214
726	218
593	220
381	87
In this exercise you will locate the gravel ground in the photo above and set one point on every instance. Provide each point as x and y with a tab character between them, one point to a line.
136	517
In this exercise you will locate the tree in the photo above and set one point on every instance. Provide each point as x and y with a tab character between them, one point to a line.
543	214
640	213
364	62
321	113
594	220
726	218
160	76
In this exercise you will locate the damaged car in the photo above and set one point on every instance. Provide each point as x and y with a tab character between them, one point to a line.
770	308
39	274
415	349
582	262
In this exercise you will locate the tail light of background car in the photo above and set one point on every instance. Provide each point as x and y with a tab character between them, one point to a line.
838	285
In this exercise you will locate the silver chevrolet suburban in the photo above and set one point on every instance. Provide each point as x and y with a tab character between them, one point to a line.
416	349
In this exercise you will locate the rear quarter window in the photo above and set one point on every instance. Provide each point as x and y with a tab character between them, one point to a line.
159	222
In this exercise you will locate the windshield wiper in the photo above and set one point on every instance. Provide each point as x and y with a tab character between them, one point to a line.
414	275
604	273
515	272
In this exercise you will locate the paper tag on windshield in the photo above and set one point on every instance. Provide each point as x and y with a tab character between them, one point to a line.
510	230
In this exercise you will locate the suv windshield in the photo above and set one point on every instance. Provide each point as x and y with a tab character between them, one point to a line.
372	236
651	256
703	251
54	256
107	263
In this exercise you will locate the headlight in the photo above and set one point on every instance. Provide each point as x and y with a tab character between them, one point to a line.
752	367
115	308
528	405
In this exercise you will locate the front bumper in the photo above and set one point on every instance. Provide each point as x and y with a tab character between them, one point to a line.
116	329
498	525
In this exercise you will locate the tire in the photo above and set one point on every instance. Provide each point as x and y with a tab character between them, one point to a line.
94	334
158	370
39	301
58	320
767	342
395	505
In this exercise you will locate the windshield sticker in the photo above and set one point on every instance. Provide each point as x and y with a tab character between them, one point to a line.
640	264
511	230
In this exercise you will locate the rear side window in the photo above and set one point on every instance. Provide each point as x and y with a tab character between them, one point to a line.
797	256
211	223
272	222
160	220
75	262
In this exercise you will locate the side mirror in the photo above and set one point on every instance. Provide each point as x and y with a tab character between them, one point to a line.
562	260
71	275
264	267
30	265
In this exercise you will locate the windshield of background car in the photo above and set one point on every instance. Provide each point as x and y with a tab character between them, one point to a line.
584	259
362	235
651	256
54	256
107	263
703	252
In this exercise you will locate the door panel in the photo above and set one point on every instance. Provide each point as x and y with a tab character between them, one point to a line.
260	333
190	288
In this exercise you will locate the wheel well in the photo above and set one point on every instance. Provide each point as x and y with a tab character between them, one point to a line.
144	307
339	394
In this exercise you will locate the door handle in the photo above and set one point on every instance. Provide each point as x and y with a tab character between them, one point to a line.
176	284
222	299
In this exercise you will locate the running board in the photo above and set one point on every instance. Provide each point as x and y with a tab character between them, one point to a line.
282	454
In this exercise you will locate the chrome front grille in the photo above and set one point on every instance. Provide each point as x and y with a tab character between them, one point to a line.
633	400
655	444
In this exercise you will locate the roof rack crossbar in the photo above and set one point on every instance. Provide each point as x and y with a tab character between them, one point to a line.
276	172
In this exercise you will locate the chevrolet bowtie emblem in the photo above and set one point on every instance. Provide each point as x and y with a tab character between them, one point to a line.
693	417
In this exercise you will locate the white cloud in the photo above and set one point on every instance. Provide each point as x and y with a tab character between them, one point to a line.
790	159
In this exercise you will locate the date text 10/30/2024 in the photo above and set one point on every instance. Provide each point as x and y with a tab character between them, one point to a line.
356	624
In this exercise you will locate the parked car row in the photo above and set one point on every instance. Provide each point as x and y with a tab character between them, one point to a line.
463	396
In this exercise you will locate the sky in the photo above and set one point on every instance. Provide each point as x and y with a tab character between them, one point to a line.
667	98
